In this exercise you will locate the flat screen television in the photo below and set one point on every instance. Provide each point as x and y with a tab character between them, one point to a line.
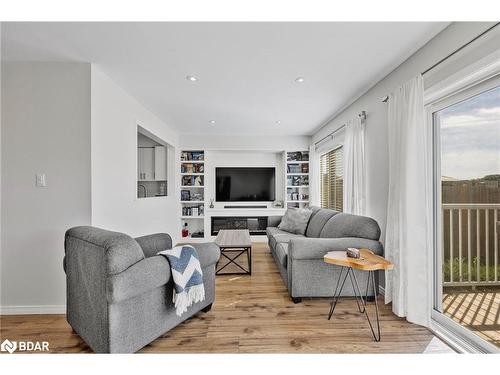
245	184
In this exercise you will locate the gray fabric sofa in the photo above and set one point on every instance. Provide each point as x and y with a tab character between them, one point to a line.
300	257
119	292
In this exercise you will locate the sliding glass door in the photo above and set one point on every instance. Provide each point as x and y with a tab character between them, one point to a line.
467	155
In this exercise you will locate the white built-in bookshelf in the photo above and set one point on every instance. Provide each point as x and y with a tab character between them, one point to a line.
192	198
297	179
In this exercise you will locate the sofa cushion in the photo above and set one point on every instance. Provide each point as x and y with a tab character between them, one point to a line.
285	237
318	220
295	220
276	236
282	253
347	225
272	230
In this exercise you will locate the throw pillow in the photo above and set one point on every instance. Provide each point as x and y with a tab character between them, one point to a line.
295	220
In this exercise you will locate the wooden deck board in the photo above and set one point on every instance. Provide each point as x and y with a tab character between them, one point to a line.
254	314
478	311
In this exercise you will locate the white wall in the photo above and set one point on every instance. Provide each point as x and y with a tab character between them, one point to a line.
376	125
45	129
115	116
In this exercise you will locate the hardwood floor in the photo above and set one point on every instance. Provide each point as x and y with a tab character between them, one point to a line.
253	314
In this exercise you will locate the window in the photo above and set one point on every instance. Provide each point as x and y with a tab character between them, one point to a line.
153	156
332	179
467	163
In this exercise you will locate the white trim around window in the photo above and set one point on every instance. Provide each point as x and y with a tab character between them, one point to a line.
464	88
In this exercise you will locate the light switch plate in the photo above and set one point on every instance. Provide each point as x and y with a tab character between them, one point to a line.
41	181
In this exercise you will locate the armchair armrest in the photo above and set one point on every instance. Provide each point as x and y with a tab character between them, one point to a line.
144	275
154	243
316	248
208	252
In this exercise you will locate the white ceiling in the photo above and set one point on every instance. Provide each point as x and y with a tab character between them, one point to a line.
246	71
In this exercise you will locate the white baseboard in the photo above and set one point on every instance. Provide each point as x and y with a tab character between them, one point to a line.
32	310
381	290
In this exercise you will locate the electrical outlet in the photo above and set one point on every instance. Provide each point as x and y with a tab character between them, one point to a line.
41	181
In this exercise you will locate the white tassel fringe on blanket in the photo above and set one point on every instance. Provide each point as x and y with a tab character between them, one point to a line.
188	277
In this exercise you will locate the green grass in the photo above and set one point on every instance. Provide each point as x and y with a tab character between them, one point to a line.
465	273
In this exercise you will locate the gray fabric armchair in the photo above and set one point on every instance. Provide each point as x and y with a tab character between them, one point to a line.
119	292
300	257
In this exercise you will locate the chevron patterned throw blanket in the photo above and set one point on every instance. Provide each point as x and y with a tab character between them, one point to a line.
187	275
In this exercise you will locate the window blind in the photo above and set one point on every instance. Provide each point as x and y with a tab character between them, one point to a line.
332	179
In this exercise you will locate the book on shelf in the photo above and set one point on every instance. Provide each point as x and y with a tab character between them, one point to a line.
192	155
297	156
192	210
192	181
297	181
295	196
185	195
294	168
192	168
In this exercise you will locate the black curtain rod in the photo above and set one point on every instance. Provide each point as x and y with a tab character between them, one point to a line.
386	98
361	115
460	48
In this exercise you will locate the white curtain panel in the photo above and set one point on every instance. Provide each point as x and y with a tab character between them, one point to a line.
354	168
408	242
314	194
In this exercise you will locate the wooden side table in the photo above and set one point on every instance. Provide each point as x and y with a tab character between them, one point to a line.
369	262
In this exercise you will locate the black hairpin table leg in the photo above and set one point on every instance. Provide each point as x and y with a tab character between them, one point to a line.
359	297
371	278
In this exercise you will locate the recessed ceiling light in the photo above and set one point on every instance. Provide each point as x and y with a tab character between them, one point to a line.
299	79
278	122
191	78
213	122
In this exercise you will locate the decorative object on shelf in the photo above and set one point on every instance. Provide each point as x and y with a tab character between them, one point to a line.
185	230
278	204
198	234
352	252
197	181
197	196
212	203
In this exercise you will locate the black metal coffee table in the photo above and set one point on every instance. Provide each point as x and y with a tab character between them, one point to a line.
233	243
